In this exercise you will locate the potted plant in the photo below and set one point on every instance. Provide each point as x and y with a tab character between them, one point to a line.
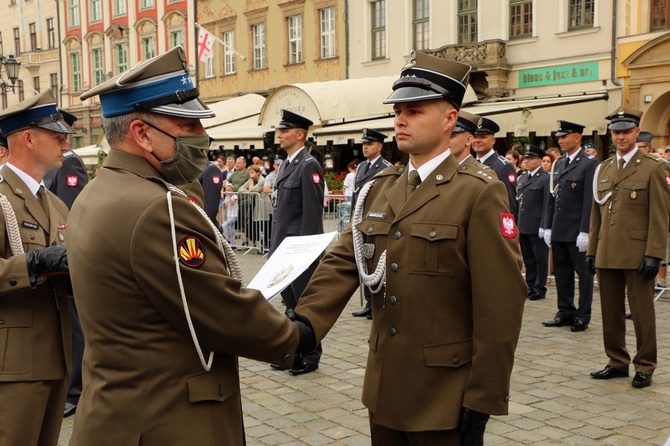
334	181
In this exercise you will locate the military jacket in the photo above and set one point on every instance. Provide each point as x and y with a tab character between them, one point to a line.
507	174
363	175
633	222
67	181
532	198
441	337
35	330
211	181
143	381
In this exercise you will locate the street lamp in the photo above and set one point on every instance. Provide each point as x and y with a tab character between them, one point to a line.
12	67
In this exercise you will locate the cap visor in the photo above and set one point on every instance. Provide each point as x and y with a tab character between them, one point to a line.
623	125
57	126
411	94
562	133
191	109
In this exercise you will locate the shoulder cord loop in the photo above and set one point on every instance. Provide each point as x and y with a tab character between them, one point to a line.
607	196
378	277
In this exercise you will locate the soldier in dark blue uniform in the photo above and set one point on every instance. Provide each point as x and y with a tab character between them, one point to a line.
298	209
373	142
483	147
566	225
532	193
211	181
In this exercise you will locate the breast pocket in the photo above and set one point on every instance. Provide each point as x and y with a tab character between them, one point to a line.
291	192
433	247
16	337
375	236
635	194
604	189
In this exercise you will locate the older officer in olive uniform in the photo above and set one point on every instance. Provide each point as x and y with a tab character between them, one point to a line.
373	142
532	193
298	209
166	317
566	227
35	329
483	148
442	339
629	230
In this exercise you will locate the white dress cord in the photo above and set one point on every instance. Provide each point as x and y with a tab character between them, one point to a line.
378	277
11	225
607	196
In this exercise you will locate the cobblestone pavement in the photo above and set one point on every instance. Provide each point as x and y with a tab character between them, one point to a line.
554	401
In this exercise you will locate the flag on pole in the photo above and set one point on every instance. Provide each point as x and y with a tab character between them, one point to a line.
205	43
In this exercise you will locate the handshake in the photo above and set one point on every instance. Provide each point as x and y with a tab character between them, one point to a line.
52	259
307	342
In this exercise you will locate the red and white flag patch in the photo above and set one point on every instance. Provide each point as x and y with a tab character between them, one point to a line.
507	225
192	200
512	178
216	180
72	181
667	180
316	178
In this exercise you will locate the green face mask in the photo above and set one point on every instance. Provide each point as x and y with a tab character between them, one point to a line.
189	159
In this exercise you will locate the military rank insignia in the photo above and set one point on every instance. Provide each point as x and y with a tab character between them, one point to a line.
191	252
507	225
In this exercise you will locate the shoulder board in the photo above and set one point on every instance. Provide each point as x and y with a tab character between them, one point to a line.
484	173
386	163
391	171
589	156
503	159
68	153
654	157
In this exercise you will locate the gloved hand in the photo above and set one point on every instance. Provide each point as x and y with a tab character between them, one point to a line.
547	237
52	260
540	233
591	264
307	337
471	426
582	241
649	267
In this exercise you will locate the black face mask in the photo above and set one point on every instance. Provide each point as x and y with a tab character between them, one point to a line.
189	159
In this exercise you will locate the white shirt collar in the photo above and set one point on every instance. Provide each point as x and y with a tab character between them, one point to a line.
429	166
374	160
292	157
485	157
535	171
33	185
461	162
627	157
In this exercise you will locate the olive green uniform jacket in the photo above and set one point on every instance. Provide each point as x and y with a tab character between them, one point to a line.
143	381
445	328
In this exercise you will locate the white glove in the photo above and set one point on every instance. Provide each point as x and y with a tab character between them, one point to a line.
582	241
547	237
540	233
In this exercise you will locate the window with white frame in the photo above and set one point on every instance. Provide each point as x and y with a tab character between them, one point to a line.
119	7
96	10
520	18
295	39
17	41
176	38
148	48
146	4
580	14
327	21
36	84
97	66
209	66
53	81
32	27
51	34
258	35
421	25
121	58
75	73
467	21
378	29
73	13
229	52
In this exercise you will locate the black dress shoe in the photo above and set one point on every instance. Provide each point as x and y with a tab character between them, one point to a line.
301	369
579	325
363	313
629	315
556	322
369	316
536	296
609	372
641	380
70	409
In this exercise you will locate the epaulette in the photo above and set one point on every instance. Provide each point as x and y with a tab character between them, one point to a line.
391	171
589	156
503	159
484	173
655	158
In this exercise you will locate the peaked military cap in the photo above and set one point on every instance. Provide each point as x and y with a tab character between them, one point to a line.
567	127
370	135
533	151
161	84
290	120
37	111
69	117
645	137
428	77
487	127
589	145
467	122
624	119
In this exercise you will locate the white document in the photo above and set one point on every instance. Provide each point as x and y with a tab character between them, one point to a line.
291	258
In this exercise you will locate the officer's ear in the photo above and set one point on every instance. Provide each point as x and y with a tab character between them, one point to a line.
137	131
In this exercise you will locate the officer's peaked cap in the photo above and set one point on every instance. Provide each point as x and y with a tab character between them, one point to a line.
370	135
37	111
533	151
161	84
567	127
290	120
487	127
467	122
428	77
624	119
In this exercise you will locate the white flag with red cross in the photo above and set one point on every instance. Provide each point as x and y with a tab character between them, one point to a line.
205	43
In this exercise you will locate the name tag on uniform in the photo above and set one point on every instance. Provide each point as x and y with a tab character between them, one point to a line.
377	215
30	225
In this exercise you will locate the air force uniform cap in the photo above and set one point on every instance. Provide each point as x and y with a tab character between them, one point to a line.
566	127
645	137
624	119
38	111
290	120
370	135
487	127
161	84
428	77
467	122
533	151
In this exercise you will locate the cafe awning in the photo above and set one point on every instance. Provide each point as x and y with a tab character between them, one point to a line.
234	109
241	134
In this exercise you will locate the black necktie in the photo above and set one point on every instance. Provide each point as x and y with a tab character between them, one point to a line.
367	168
413	180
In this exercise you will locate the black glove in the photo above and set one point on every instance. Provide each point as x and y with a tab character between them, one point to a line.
649	267
471	426
52	259
307	337
591	264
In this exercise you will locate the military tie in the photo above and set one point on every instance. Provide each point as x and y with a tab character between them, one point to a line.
42	198
413	181
621	164
367	168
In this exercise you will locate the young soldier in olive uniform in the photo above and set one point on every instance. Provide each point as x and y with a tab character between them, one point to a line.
566	227
532	193
448	293
373	142
629	232
166	318
462	137
298	209
36	354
